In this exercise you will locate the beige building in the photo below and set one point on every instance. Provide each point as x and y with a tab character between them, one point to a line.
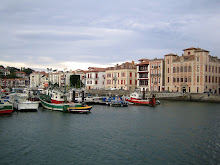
156	69
195	71
122	76
150	75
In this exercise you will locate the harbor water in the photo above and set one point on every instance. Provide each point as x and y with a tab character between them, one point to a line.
170	133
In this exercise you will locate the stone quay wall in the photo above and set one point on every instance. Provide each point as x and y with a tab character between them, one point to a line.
178	96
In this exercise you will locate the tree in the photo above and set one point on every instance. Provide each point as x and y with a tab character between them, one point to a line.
28	71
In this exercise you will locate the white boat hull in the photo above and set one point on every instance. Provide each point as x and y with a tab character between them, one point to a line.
26	106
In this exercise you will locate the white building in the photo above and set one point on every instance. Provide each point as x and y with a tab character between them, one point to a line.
95	78
38	79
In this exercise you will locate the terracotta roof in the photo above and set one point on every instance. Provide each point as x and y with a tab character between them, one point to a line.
201	50
189	48
196	49
20	72
171	54
143	59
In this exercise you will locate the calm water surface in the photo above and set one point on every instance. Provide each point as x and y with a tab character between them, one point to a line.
171	133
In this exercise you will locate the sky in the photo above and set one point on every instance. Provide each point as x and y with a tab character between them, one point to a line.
77	34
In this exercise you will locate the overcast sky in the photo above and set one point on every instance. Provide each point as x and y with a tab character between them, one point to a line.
77	34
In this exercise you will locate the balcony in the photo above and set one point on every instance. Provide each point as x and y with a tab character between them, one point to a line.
143	77
143	70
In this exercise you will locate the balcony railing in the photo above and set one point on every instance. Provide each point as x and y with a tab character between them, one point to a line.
143	70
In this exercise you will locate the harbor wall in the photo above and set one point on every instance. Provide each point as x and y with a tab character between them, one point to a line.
196	97
178	96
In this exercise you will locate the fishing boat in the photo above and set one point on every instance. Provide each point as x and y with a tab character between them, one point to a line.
6	108
21	103
135	99
57	101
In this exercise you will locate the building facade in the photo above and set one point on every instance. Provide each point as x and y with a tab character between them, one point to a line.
156	69
143	75
95	78
39	79
196	71
122	77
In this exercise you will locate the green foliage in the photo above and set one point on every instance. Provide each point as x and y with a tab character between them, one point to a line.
12	69
28	71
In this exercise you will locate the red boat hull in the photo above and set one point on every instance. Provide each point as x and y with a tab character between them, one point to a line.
6	111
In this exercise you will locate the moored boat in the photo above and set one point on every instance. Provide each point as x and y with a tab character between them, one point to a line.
6	108
56	101
21	103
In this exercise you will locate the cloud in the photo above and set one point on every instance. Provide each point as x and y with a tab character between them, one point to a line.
52	33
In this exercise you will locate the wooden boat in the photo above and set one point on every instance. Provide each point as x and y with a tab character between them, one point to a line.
56	101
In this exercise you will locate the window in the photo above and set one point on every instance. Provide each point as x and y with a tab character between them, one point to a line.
130	82
168	79
197	68
168	61
174	79
189	79
181	79
130	74
181	69
177	80
206	68
158	80
121	81
197	78
185	79
177	70
188	53
206	78
212	79
174	69
197	58
185	68
96	76
189	68
96	82
168	70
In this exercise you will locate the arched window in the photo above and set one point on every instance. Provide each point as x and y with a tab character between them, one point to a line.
185	68
189	68
181	69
